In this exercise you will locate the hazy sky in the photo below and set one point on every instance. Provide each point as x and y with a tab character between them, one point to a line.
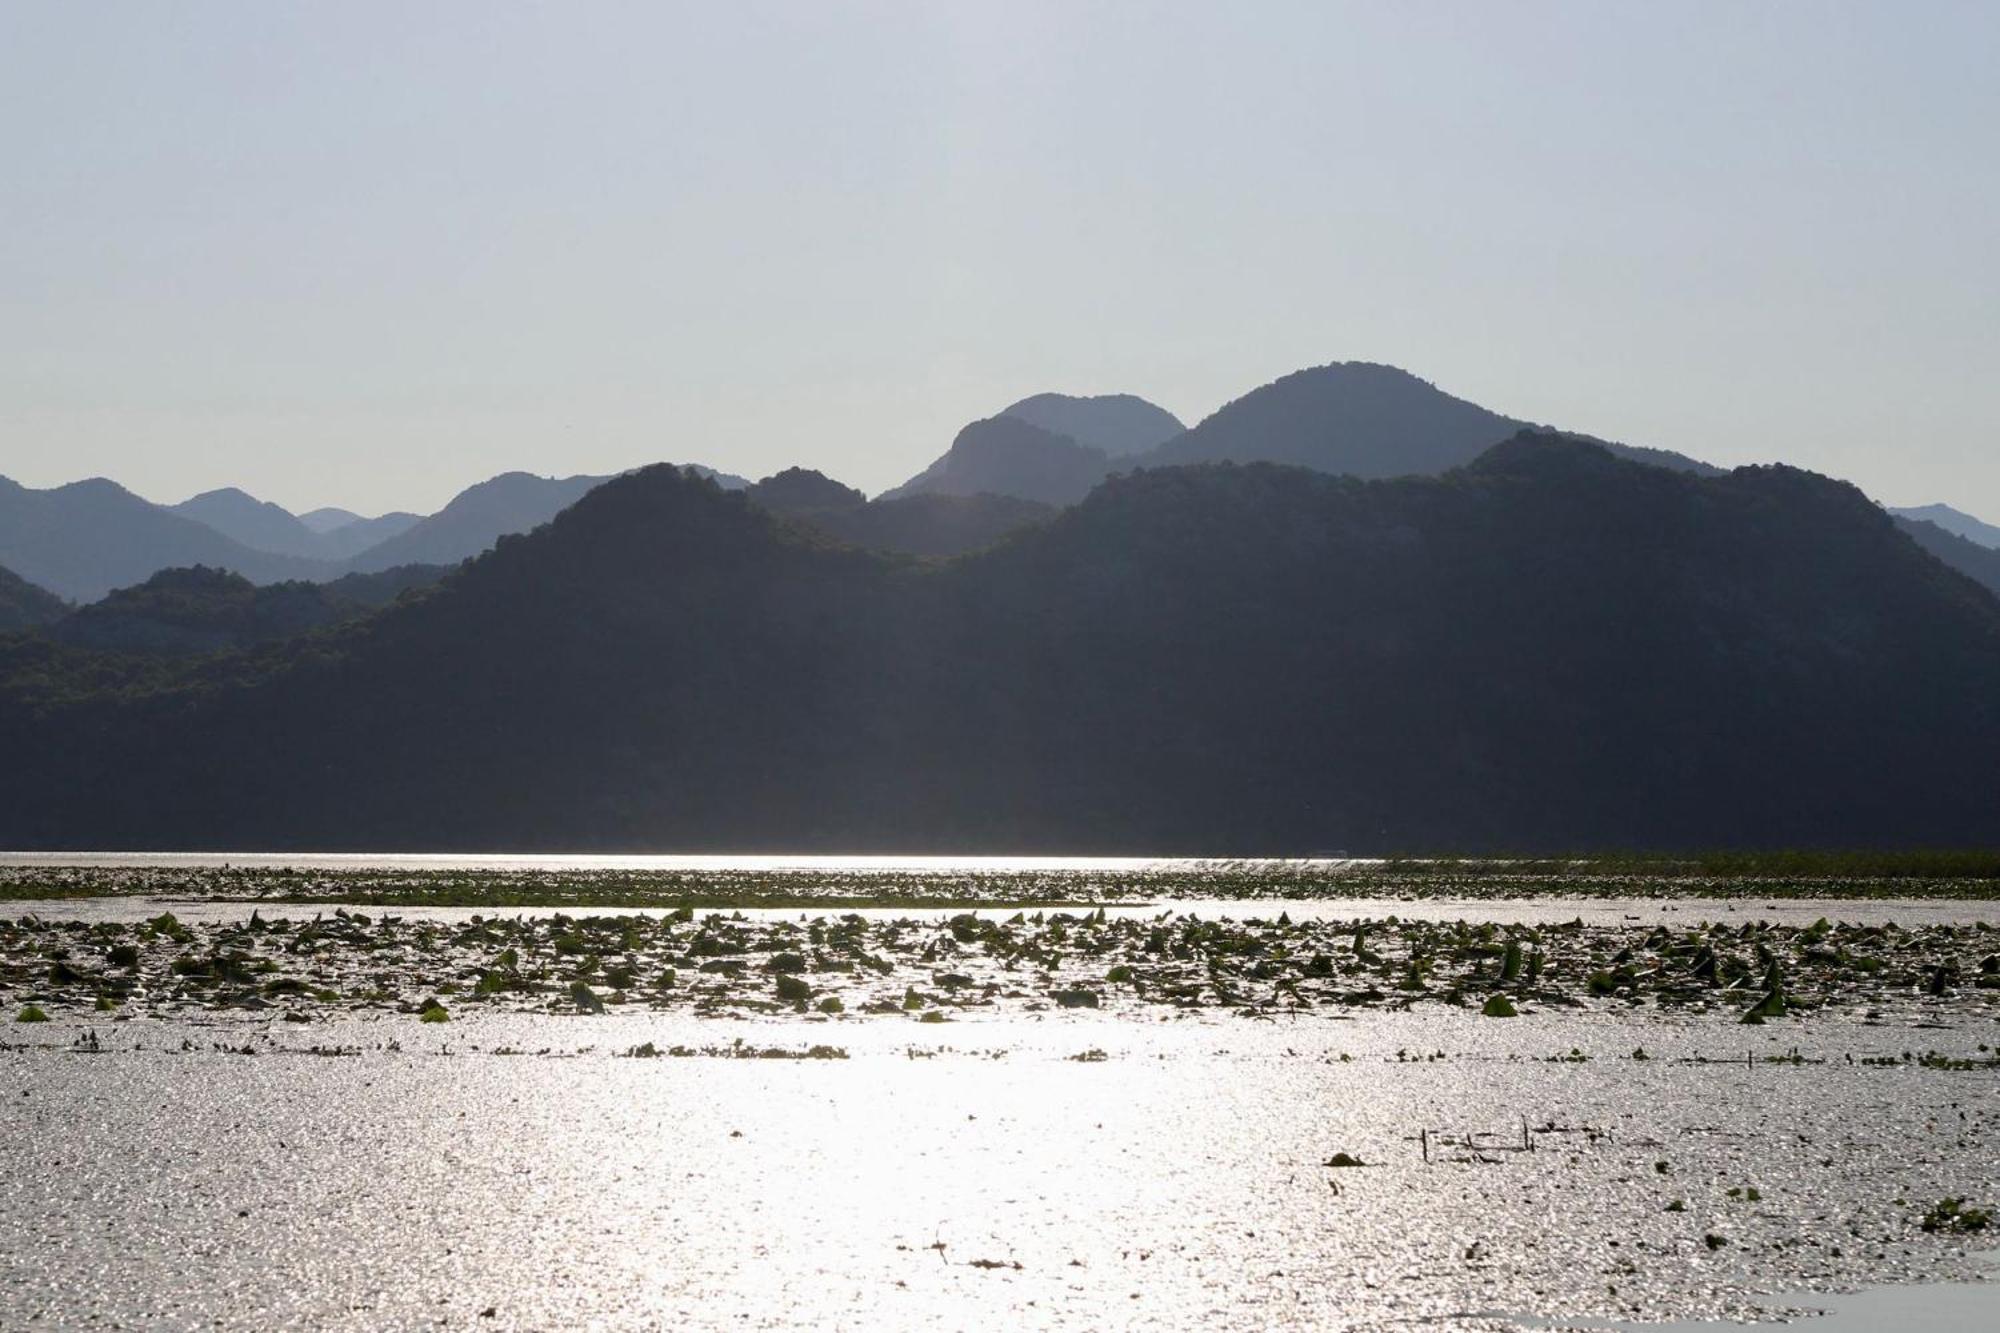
365	254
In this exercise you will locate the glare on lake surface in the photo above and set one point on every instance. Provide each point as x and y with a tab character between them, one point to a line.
197	1159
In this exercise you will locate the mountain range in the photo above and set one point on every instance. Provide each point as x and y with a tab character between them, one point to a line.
1549	647
1956	523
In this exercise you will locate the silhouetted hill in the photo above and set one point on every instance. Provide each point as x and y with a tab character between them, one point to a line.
1955	522
1365	420
1551	649
924	524
1117	423
1979	563
475	518
257	524
382	587
1004	455
801	491
193	611
478	516
24	606
86	538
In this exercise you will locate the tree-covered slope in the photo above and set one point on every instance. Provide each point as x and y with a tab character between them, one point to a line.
1550	648
24	606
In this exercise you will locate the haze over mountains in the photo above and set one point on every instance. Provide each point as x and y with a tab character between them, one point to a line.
1551	647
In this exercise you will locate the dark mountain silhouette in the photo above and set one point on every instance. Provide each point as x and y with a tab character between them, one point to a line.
1550	648
477	517
1360	419
382	587
200	610
924	524
513	502
801	491
1117	423
24	606
86	538
1005	455
1979	563
1955	522
933	525
189	612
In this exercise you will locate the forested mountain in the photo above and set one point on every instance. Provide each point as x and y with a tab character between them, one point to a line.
1005	455
84	539
475	518
1117	423
186	612
1551	648
1955	522
24	606
922	524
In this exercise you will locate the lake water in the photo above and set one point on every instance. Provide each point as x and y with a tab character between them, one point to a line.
1037	1168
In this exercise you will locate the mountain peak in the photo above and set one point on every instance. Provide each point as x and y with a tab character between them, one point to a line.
1117	423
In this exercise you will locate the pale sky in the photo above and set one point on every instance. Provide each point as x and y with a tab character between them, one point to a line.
365	254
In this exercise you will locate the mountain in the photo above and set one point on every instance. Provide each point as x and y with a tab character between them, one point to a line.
257	524
478	516
801	491
925	524
193	611
329	518
933	525
1955	522
86	538
365	534
1005	455
1979	563
1548	649
1117	423
1360	419
475	518
24	606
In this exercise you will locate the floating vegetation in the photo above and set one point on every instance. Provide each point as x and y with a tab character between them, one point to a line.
1953	1215
841	965
1764	877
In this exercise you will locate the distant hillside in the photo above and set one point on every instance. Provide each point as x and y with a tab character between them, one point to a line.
926	525
1550	648
1005	455
195	611
328	518
1360	419
477	517
1117	423
1955	522
86	538
257	524
24	606
935	525
332	535
1979	563
382	587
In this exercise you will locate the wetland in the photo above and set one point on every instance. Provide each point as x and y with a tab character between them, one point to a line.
1058	1095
